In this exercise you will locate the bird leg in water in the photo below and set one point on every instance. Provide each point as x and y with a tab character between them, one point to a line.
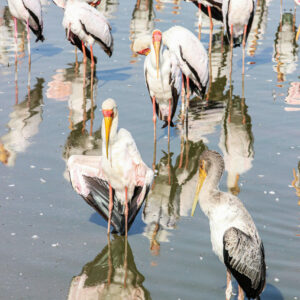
231	49
244	43
154	116
228	291
200	20
126	211
110	208
182	100
16	30
241	294
28	42
83	51
210	18
92	58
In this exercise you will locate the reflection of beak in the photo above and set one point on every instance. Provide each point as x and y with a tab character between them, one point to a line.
156	48
4	154
202	176
107	122
298	33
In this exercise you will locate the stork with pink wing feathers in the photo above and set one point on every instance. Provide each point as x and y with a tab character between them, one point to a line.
116	183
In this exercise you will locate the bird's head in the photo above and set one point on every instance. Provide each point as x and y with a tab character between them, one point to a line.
156	40
211	164
110	112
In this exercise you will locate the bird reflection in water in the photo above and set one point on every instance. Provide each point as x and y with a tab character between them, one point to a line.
293	97
202	120
296	184
108	8
23	125
113	274
258	27
285	54
72	85
79	89
142	23
236	141
161	209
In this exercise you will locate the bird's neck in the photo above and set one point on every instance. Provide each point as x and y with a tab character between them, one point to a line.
210	187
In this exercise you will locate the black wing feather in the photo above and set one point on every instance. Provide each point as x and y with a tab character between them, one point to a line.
245	261
39	31
216	10
75	40
98	198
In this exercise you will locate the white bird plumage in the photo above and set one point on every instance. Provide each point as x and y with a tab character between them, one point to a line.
29	12
234	237
191	55
119	174
163	85
85	25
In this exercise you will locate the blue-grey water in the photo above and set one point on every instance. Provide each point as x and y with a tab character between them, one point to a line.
51	239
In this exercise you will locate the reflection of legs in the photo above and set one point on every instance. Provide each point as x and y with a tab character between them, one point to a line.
231	49
244	43
125	262
155	246
228	291
187	92
28	43
110	268
169	120
110	208
126	211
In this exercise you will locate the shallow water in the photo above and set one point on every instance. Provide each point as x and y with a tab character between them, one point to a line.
49	234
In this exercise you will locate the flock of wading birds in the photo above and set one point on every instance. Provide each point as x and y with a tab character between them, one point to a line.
117	183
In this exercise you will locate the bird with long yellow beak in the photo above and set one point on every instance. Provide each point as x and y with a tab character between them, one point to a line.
234	237
116	183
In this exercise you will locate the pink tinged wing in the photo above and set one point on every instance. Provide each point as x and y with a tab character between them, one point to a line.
80	165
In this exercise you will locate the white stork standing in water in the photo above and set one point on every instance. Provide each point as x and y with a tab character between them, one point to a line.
30	12
162	76
237	17
234	237
85	25
185	53
116	183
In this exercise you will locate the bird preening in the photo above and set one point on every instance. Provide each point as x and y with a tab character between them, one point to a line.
234	237
85	25
30	13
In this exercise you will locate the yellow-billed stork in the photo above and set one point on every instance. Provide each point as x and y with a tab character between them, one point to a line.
116	183
234	237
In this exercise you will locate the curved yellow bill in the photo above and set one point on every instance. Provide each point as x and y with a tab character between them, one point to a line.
202	176
156	45
107	122
298	33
